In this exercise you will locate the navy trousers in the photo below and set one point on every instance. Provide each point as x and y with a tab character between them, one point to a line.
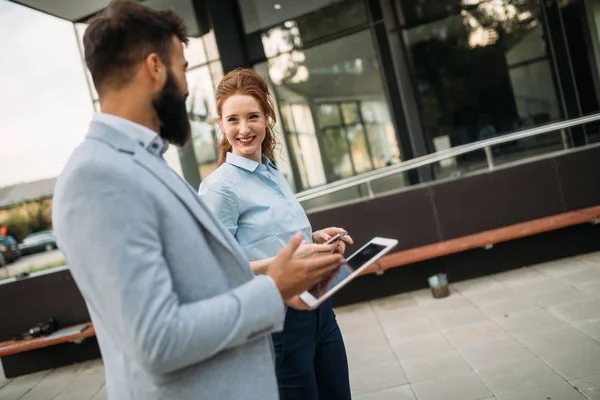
311	362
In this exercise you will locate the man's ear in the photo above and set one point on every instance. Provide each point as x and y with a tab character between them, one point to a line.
156	69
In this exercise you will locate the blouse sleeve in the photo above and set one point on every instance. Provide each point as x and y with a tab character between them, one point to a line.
222	201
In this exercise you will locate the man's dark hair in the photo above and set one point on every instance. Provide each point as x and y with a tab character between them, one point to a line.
123	35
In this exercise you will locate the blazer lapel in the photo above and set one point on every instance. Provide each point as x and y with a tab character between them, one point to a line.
158	168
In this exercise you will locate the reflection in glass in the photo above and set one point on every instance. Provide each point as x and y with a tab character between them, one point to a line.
480	72
322	94
194	52
202	112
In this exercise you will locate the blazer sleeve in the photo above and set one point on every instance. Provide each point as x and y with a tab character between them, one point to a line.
222	201
109	231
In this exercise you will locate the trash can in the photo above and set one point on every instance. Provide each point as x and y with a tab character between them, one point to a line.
439	286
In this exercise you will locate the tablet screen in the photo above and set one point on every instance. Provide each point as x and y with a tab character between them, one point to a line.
352	264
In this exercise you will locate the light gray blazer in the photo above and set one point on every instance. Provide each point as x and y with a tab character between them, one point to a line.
178	313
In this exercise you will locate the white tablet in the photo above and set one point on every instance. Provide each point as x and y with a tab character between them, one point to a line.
357	262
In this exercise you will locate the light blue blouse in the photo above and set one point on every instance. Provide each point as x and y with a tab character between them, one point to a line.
256	204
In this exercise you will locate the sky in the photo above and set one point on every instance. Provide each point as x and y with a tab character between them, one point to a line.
45	103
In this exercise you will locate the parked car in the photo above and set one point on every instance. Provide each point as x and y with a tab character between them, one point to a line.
38	242
9	249
2	262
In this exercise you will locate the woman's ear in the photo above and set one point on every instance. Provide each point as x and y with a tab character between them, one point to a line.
220	124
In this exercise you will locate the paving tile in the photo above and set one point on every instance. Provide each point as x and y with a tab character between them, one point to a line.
101	395
460	318
509	307
538	320
542	285
580	311
446	304
558	391
363	358
435	366
466	386
53	384
474	286
356	316
575	365
88	382
591	288
518	376
588	275
397	302
561	268
591	257
520	276
589	386
590	326
567	340
397	393
399	331
366	336
377	377
402	315
494	353
560	297
471	335
492	296
421	346
22	385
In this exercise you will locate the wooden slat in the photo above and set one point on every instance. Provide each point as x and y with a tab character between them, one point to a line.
483	239
19	346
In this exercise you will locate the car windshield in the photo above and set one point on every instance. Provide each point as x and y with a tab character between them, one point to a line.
34	237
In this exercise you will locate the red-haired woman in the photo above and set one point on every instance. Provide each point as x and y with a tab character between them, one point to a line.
252	198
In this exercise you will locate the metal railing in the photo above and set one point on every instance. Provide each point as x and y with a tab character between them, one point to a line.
428	159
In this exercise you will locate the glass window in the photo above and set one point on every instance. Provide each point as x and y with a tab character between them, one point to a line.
262	14
194	52
482	72
202	114
333	108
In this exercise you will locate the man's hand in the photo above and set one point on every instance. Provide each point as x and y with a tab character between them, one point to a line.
295	275
324	235
307	250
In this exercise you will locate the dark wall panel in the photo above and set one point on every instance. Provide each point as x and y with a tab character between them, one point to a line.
474	204
36	299
580	178
499	198
407	217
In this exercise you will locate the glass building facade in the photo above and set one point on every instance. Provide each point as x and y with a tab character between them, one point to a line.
360	85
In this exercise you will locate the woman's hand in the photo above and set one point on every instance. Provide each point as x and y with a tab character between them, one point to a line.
324	235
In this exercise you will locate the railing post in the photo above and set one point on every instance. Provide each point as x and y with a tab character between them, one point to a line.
565	138
489	156
370	190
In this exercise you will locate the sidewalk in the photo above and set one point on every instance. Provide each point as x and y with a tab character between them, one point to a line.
526	334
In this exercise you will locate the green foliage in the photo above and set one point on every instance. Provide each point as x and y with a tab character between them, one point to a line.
32	217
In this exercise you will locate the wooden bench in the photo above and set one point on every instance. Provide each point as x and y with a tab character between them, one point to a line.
11	347
484	239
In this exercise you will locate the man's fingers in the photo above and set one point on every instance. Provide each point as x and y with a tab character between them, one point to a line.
348	239
289	250
324	264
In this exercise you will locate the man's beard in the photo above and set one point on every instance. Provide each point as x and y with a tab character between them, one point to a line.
170	107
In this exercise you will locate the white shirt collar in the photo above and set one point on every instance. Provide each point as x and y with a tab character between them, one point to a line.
145	136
